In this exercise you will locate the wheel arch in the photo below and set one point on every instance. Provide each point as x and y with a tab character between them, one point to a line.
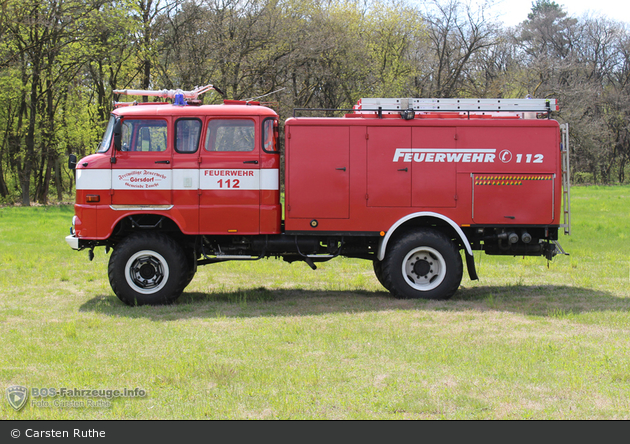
424	219
129	222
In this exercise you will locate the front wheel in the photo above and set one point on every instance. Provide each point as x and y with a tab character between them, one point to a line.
148	269
191	256
422	264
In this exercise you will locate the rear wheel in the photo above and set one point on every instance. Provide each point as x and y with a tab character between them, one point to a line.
148	269
378	271
422	264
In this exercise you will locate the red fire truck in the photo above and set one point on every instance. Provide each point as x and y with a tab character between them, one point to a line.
412	185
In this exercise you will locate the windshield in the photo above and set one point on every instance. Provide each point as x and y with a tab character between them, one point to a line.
107	138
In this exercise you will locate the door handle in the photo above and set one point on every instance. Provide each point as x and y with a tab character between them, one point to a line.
163	161
404	169
341	169
255	162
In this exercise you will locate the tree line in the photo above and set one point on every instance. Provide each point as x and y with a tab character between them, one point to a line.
61	60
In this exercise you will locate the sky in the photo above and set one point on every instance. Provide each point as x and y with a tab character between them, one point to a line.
512	12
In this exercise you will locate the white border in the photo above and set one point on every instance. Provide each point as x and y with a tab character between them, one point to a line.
180	179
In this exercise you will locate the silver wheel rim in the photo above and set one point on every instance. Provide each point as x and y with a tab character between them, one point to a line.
424	268
146	272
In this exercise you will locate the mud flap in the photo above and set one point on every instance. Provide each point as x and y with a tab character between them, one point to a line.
470	265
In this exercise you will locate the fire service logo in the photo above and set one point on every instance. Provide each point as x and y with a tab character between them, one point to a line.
463	155
505	156
17	396
141	179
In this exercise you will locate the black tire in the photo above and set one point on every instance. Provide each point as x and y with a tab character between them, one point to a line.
378	271
191	257
148	269
422	264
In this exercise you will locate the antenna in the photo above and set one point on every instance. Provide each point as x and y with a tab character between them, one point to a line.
265	95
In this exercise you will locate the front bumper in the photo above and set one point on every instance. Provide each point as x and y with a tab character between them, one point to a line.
73	241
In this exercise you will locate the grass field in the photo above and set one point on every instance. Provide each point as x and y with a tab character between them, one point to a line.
269	340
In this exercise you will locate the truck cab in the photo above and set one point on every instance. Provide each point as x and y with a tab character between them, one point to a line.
207	169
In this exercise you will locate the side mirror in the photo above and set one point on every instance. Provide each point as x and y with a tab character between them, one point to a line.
72	162
118	135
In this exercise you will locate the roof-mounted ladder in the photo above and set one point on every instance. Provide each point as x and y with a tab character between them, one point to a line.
461	105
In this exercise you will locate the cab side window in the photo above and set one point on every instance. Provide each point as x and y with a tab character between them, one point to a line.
230	135
187	132
144	135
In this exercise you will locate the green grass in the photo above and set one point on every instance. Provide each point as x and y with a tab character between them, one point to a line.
270	340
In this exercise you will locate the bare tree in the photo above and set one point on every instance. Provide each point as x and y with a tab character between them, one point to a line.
456	34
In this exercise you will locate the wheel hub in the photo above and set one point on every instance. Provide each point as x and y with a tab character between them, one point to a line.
147	272
424	268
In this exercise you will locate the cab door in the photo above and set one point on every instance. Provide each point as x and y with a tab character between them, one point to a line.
229	177
185	164
141	170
